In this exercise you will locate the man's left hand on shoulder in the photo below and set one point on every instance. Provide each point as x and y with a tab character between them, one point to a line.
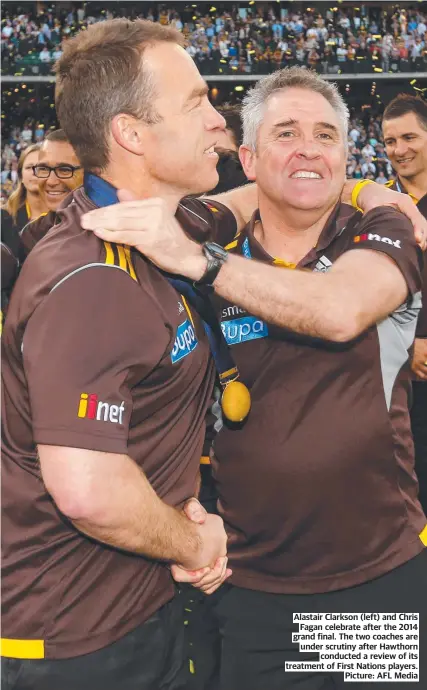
149	226
419	360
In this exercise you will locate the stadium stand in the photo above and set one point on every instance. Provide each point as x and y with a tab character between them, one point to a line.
239	41
243	38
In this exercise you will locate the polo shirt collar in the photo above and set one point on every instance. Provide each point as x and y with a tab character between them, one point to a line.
334	225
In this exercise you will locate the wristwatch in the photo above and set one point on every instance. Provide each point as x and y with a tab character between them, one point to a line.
216	256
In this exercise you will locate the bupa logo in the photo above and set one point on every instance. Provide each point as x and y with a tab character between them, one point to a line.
377	238
240	330
185	341
92	408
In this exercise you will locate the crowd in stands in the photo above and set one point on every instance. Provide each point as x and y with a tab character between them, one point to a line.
230	39
366	154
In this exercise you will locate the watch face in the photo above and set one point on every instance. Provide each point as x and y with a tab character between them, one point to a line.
216	250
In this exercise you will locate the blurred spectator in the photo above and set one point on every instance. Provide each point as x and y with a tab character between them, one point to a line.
262	38
23	205
381	179
231	137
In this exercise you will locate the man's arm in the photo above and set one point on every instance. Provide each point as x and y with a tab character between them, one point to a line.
243	201
107	497
362	288
113	340
419	359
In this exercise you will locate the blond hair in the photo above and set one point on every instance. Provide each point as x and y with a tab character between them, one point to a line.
18	197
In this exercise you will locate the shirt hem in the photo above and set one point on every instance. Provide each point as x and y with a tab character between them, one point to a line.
250	579
67	650
73	439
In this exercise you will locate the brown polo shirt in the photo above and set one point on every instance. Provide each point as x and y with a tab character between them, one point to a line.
317	487
99	352
35	230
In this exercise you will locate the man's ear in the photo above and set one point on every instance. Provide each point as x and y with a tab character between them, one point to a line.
248	160
129	133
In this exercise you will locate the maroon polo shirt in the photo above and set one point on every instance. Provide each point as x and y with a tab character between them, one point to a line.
317	487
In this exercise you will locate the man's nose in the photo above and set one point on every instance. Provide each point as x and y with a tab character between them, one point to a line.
400	149
215	120
308	149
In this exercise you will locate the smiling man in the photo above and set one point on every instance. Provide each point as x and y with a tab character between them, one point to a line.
405	136
58	172
319	305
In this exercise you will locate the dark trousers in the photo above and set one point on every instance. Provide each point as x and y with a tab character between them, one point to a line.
257	628
152	657
419	431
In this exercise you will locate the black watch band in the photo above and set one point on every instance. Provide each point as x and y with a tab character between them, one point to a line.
216	257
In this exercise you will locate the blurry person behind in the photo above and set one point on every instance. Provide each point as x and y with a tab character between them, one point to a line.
229	167
24	204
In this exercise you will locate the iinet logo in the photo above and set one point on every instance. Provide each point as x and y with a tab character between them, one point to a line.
377	238
92	408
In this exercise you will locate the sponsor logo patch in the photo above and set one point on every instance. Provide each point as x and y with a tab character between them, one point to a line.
377	238
323	265
246	249
92	408
185	341
244	329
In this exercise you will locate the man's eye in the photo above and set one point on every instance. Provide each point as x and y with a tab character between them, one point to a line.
286	134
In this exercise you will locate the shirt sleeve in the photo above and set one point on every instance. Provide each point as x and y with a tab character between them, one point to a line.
87	345
422	319
206	220
386	230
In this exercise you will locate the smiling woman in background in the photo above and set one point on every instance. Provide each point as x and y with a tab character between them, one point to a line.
24	204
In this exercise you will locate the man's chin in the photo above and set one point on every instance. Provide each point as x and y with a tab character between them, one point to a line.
408	171
306	203
205	184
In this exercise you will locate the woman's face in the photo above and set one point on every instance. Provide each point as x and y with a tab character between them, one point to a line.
29	180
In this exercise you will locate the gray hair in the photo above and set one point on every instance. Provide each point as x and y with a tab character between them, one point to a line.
255	101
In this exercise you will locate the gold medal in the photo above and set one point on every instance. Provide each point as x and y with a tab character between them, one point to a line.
236	401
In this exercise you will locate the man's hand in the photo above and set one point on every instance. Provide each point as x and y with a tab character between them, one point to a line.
374	195
207	579
150	226
419	360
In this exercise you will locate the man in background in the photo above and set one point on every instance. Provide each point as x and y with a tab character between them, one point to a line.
59	172
405	136
229	167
